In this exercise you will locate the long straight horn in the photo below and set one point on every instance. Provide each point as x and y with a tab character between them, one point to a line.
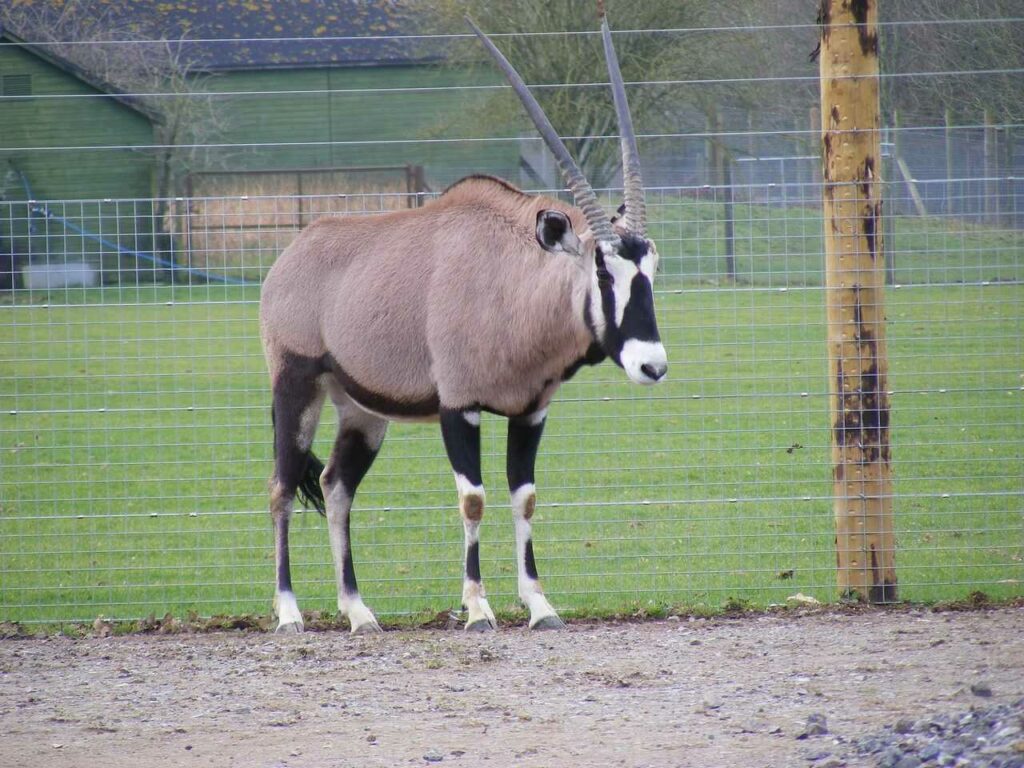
581	190
635	217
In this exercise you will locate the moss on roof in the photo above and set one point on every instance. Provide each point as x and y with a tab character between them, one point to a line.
256	34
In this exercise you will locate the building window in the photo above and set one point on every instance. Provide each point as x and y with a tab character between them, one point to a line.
16	85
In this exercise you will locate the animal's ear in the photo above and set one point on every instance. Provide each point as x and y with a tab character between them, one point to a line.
555	233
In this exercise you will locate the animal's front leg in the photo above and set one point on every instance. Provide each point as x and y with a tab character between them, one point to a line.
524	435
460	430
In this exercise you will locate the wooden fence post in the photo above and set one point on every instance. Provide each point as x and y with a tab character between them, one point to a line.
854	286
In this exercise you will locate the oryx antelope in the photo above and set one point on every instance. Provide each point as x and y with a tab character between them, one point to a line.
485	299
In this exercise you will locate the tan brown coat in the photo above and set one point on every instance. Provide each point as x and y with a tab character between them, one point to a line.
454	301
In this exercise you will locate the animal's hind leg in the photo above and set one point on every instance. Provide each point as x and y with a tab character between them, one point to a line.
461	433
360	435
297	400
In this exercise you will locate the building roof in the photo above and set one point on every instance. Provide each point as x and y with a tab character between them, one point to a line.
218	35
105	87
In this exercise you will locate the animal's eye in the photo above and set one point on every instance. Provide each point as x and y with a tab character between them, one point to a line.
603	275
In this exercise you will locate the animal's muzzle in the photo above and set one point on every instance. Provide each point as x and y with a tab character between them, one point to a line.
645	362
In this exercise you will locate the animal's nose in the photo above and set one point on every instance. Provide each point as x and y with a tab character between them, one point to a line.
655	371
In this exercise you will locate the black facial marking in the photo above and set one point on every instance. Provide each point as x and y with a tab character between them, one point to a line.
634	247
639	321
612	341
604	277
595	352
462	443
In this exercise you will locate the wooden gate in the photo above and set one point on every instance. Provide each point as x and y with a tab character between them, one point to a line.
239	221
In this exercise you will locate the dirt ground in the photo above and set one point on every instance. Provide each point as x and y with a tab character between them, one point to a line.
677	692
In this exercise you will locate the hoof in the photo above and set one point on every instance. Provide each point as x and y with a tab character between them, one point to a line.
291	628
481	625
548	622
367	628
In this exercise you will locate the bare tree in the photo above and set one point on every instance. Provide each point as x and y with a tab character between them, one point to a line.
953	57
686	76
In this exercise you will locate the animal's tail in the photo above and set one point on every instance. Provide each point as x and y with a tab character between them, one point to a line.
309	491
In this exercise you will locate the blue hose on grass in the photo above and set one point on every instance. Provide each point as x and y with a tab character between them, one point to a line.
42	210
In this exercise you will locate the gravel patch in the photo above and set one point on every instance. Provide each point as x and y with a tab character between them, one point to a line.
981	737
895	688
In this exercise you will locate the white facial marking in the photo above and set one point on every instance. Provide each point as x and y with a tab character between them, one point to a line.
649	264
636	354
597	311
472	418
623	271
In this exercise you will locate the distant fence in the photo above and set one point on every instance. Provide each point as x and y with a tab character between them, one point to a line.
134	427
766	233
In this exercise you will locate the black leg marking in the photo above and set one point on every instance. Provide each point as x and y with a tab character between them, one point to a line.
296	394
531	564
521	452
462	443
350	461
284	573
295	391
473	562
524	434
461	433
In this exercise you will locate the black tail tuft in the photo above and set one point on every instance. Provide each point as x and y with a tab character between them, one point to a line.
310	493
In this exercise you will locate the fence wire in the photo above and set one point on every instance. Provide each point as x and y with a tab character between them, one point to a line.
134	401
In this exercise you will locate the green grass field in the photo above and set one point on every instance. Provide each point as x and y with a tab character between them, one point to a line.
135	451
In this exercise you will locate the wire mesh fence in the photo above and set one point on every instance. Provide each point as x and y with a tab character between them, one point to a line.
134	402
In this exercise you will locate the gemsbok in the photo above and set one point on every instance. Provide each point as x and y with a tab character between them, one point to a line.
484	299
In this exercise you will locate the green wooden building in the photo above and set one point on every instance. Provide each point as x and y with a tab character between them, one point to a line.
298	102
